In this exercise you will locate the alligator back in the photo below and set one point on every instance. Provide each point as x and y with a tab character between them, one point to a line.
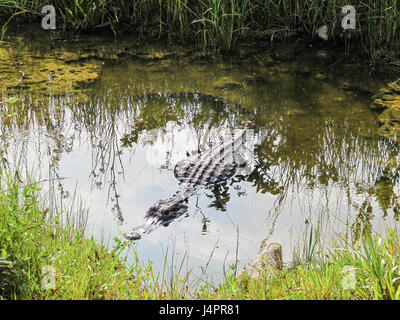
213	166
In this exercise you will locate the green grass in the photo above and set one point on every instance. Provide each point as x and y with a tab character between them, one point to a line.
36	246
221	24
31	239
368	270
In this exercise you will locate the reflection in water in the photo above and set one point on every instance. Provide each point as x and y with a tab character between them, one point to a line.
315	153
211	167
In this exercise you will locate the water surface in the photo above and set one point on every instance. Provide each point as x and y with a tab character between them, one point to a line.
105	122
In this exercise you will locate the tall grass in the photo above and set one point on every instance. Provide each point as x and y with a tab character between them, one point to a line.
220	24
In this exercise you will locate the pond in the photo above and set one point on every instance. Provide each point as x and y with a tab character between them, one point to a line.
102	124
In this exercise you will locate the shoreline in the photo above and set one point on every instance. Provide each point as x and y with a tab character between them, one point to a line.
218	25
76	267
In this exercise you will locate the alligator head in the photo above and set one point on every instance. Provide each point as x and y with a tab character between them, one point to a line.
162	213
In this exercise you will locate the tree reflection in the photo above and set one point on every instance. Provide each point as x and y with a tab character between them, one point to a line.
312	145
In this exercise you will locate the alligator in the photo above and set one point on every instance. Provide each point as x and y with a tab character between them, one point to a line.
214	166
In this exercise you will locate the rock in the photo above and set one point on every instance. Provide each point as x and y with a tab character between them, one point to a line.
267	261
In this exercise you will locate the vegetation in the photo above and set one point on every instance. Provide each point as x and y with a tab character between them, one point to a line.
37	242
32	242
220	24
363	271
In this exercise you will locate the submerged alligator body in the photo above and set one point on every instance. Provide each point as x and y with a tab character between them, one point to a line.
211	167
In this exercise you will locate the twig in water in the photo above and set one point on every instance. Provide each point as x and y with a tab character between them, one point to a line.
204	269
237	243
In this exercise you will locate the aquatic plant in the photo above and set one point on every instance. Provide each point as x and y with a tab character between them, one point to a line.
220	24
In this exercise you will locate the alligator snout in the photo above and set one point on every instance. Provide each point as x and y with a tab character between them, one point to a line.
161	213
132	236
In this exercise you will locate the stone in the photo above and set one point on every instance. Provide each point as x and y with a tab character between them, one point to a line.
266	262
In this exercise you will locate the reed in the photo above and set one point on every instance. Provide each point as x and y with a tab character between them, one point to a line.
220	24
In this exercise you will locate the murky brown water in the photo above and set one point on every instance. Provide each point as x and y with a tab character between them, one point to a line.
114	118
